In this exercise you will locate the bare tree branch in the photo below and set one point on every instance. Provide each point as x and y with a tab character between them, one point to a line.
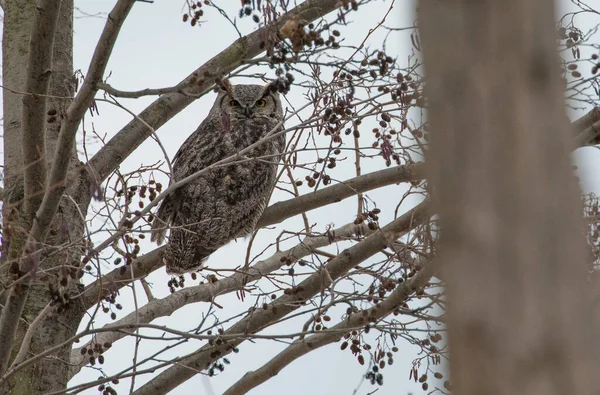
276	213
70	123
135	94
39	64
333	194
207	292
120	277
357	320
168	105
587	120
259	319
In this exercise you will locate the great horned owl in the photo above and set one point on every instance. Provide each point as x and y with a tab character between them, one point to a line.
225	202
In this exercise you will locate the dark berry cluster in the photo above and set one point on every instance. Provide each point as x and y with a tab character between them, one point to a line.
176	282
106	388
195	12
95	353
371	216
248	6
374	376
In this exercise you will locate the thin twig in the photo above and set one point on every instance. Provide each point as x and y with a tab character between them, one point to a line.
137	94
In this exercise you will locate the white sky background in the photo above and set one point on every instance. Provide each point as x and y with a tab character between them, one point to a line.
155	49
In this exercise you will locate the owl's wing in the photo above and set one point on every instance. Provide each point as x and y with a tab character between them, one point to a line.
164	217
187	160
196	148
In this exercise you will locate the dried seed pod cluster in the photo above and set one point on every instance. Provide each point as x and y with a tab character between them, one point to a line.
95	354
379	356
195	12
218	342
132	199
424	378
106	388
60	283
374	375
371	216
176	282
248	6
217	366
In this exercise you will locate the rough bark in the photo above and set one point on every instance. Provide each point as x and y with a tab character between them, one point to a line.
17	28
15	42
512	248
32	133
67	226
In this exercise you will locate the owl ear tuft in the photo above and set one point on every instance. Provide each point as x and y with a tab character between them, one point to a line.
223	85
270	88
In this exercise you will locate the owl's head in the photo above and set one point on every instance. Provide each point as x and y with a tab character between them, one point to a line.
245	102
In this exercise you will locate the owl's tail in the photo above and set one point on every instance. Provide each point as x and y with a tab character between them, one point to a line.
162	219
180	262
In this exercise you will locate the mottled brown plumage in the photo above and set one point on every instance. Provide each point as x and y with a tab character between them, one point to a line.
225	202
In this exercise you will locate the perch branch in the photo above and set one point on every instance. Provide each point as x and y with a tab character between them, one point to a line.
259	319
276	213
207	292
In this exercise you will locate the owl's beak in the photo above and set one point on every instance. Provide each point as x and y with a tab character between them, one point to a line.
248	111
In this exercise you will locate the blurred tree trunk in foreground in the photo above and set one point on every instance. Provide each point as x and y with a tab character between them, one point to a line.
512	249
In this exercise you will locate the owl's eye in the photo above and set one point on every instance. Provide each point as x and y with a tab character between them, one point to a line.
234	103
260	103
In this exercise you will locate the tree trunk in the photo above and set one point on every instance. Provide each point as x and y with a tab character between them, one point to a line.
47	374
512	245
